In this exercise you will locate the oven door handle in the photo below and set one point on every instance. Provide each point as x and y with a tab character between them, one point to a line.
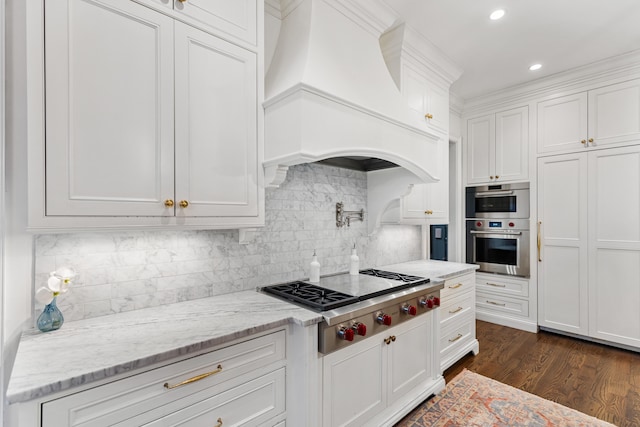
509	233
494	193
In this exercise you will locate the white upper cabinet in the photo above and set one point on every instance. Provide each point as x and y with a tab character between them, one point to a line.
155	124
598	118
235	19
497	147
428	100
216	126
109	109
429	203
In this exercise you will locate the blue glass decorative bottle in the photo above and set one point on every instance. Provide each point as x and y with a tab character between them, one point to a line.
51	317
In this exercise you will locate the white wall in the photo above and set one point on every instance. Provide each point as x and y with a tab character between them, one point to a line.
18	245
134	270
2	361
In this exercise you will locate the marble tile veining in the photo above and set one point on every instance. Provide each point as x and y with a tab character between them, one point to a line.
119	272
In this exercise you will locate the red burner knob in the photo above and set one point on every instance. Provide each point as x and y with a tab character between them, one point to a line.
436	301
430	302
360	329
346	333
511	224
478	224
384	319
409	309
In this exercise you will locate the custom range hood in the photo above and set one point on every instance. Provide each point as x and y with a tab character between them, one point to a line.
329	94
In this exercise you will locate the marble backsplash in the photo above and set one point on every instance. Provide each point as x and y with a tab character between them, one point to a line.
133	270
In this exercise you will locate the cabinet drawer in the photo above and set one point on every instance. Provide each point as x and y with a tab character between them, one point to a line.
503	286
490	302
457	285
250	404
455	308
457	335
145	397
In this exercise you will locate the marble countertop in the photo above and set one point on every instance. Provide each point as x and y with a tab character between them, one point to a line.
93	349
434	270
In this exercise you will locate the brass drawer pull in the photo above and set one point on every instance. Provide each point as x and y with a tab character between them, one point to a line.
184	203
428	116
219	423
498	285
456	338
168	203
455	286
388	341
455	311
496	303
194	379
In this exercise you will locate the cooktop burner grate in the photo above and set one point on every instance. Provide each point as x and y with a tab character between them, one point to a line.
313	296
394	276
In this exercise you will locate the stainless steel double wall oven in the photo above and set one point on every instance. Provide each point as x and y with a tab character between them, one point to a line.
497	228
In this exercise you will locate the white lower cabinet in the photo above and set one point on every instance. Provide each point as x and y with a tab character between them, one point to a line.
506	300
246	386
457	319
374	382
589	268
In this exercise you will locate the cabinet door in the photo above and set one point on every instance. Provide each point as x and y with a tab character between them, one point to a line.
354	383
614	245
562	271
427	100
437	107
614	114
237	18
409	357
512	145
562	124
109	109
216	126
429	203
480	149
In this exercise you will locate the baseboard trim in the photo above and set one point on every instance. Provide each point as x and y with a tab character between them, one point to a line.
524	325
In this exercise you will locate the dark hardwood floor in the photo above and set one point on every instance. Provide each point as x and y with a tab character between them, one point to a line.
596	379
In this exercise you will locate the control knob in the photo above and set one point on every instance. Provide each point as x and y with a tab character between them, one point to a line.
383	319
409	309
359	329
345	333
436	301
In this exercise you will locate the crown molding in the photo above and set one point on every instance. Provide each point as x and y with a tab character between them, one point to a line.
625	66
372	15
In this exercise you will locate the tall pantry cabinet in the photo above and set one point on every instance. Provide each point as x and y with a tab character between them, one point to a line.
589	227
152	115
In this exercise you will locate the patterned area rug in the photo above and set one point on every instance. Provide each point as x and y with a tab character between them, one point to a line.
473	400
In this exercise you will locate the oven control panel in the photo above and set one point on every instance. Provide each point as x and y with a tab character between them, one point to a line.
371	323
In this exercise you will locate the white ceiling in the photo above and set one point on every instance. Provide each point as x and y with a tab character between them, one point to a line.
559	34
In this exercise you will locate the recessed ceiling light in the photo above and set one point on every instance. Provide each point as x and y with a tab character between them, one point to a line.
535	67
496	14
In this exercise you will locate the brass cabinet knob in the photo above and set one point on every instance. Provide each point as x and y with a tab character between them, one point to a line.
428	116
584	141
497	176
168	203
491	177
428	212
590	139
219	423
184	203
182	1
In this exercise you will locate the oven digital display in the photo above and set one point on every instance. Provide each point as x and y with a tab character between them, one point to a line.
495	224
